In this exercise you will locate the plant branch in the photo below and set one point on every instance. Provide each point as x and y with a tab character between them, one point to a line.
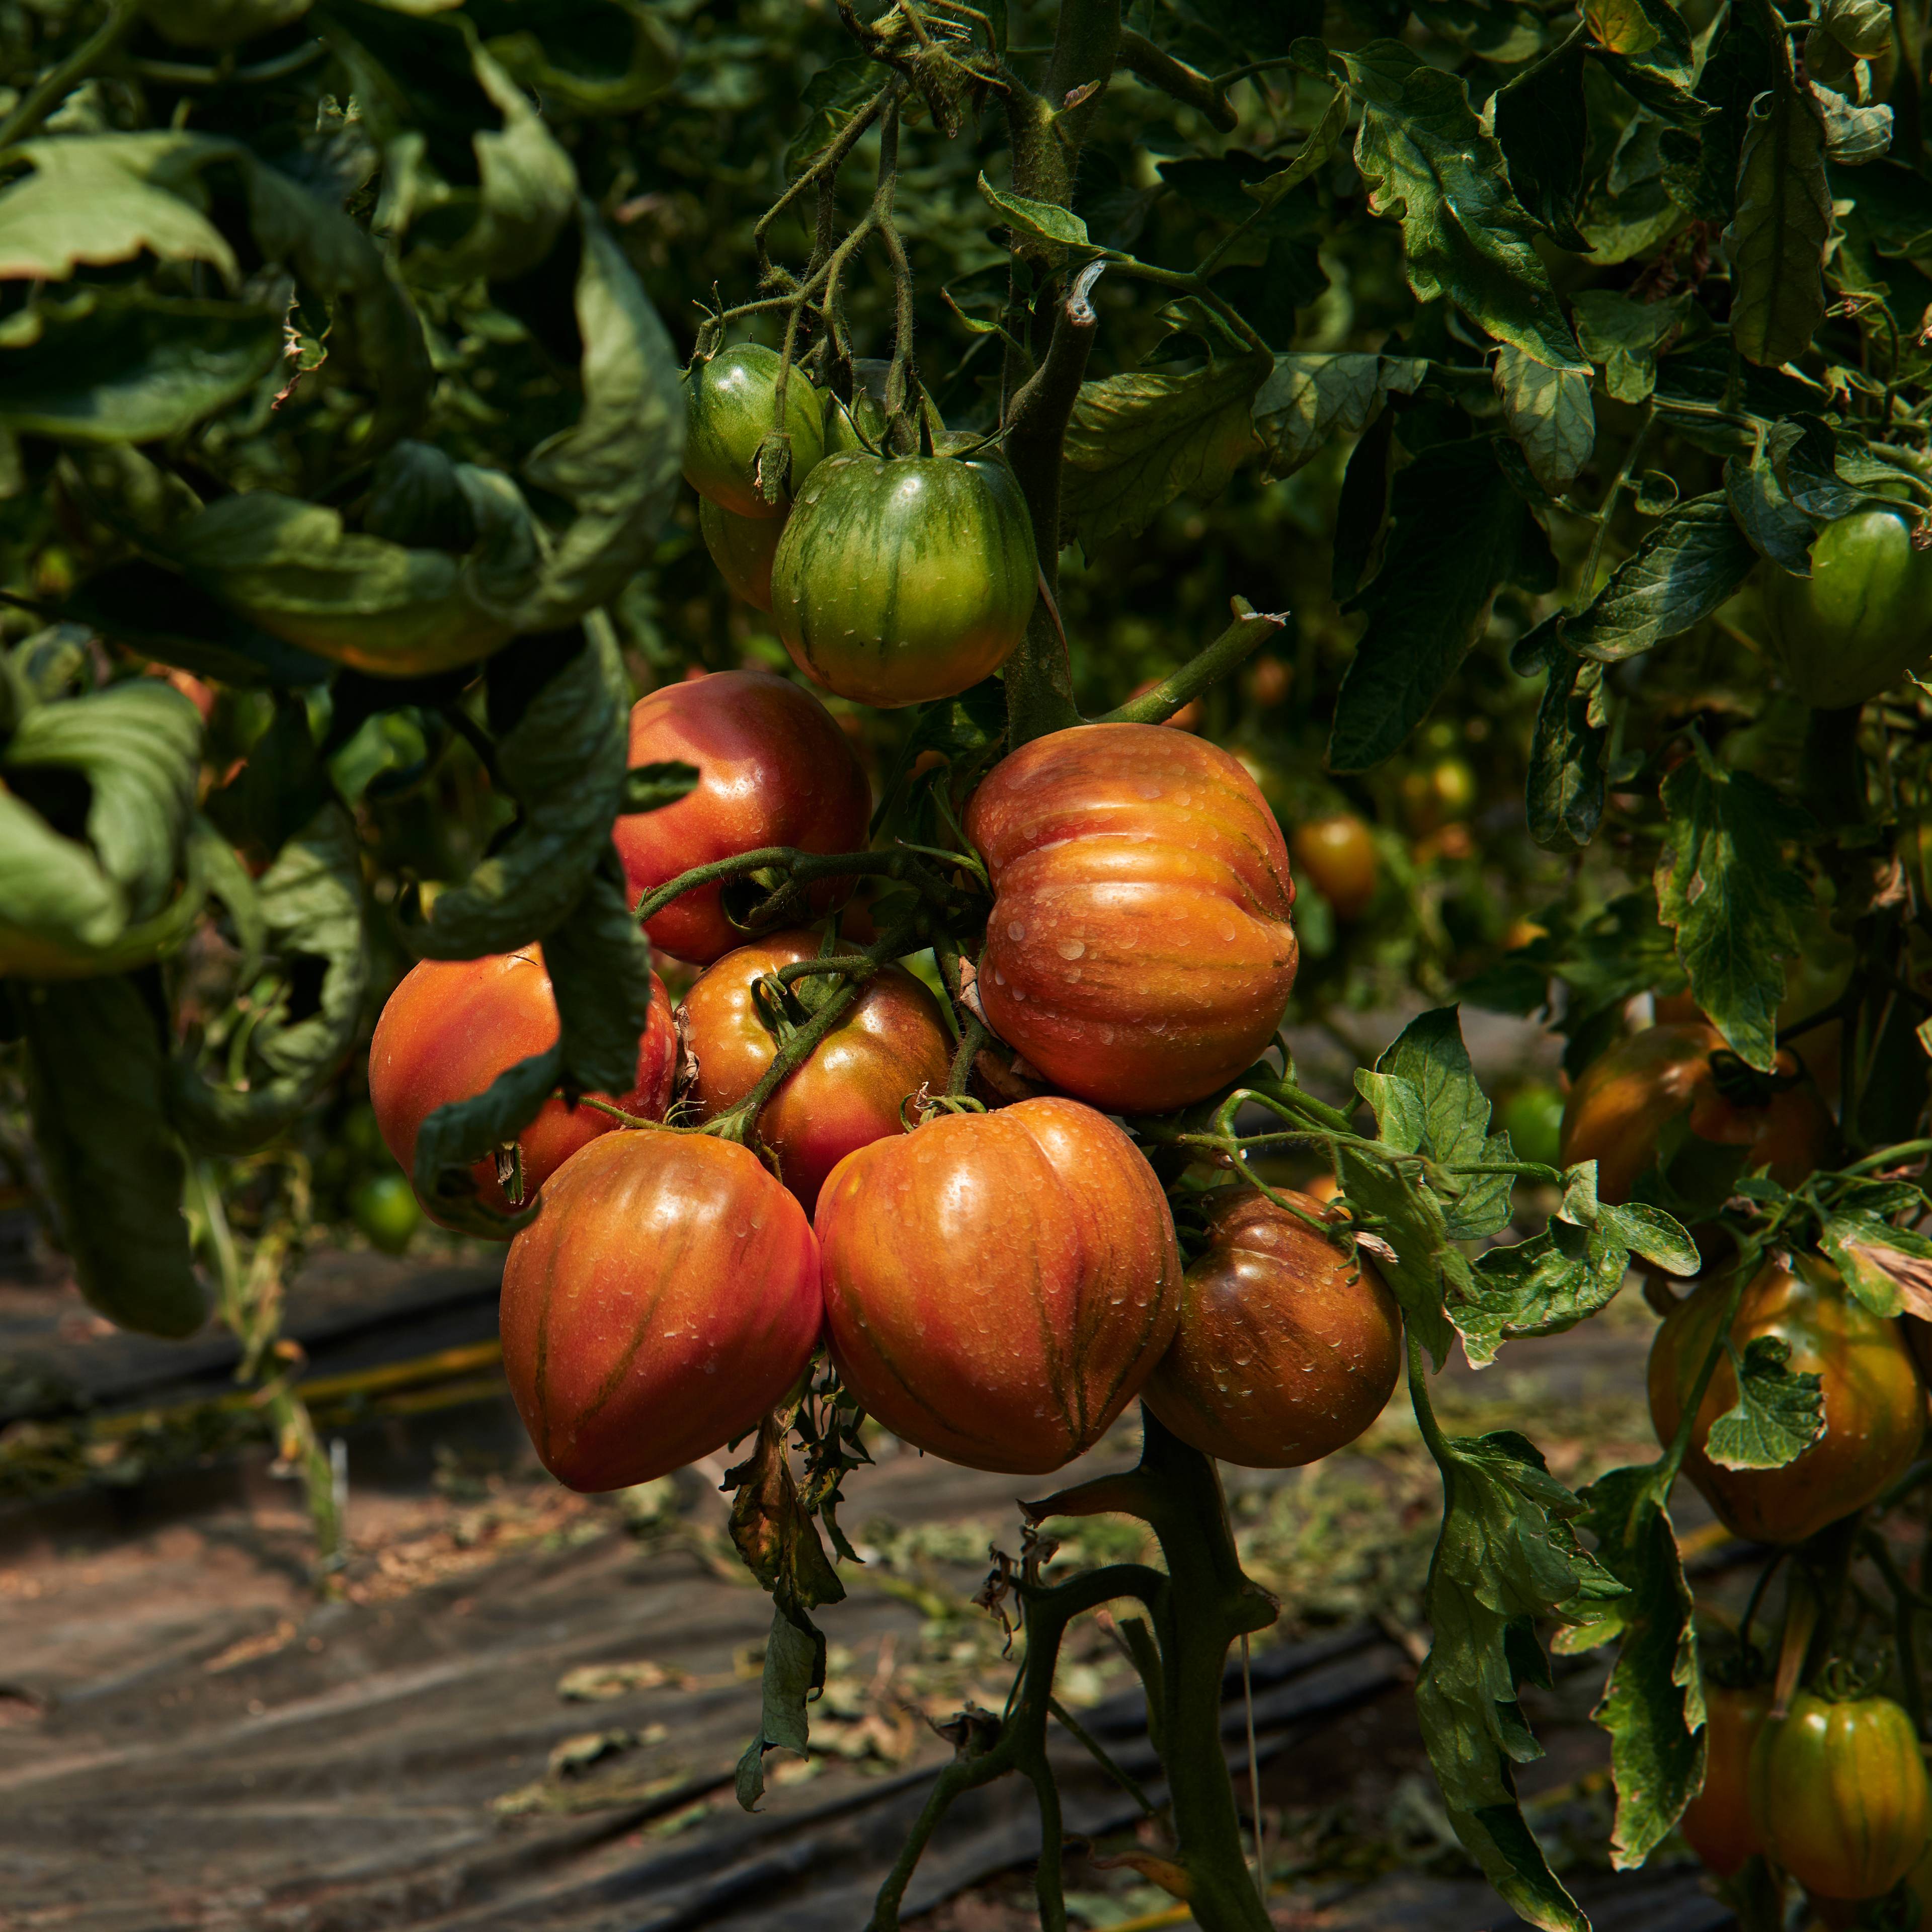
60	80
1187	85
1250	630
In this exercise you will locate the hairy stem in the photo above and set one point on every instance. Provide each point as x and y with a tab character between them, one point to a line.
1245	635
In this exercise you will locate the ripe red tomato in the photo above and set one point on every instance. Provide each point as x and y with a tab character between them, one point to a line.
1840	1796
891	1041
730	402
1139	952
454	1024
998	1286
1285	1352
1624	1100
1874	1400
1338	854
665	1297
774	769
1717	1823
902	579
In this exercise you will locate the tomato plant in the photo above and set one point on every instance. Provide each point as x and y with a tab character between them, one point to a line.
903	579
774	769
1840	1796
1545	401
1047	1192
630	1358
1284	1352
890	1046
1138	950
1873	1399
453	1026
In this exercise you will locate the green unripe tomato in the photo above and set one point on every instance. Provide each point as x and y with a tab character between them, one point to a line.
1532	1117
731	410
1861	619
386	1211
902	579
742	548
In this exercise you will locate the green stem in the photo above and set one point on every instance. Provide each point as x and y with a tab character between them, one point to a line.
1667	1470
1249	631
1140	57
62	78
802	869
1098	1752
971	1041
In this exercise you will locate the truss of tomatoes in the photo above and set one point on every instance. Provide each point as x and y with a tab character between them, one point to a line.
994	1287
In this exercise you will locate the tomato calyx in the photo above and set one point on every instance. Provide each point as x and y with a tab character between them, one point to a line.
1744	1085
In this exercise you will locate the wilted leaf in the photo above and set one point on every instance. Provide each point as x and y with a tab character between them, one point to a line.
1428	164
1724	883
1653	1703
1853	135
794	1674
310	904
1508	1557
1308	397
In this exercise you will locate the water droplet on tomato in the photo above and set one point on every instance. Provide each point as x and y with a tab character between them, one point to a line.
1070	948
1016	929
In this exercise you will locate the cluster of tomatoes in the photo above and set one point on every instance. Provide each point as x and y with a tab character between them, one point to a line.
994	1287
1832	1789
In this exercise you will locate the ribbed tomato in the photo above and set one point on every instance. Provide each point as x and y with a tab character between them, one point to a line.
1139	952
730	404
666	1295
1286	1350
774	769
1624	1100
891	1041
1337	855
1861	619
742	548
998	1286
453	1025
902	579
1874	1400
1717	1823
1839	1797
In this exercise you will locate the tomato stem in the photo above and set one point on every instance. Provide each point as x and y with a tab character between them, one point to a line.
1250	630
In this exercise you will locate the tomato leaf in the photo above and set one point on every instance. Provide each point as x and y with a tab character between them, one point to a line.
1566	1272
564	761
1647	46
1307	398
1887	1269
1724	882
108	895
1415	1253
1564	792
1508	1555
1625	336
1137	441
588	57
794	1673
1060	229
1653	1701
164	617
652	786
1700	165
1777	527
1778	1415
1429	164
310	902
1542	126
95	1062
1684	568
1458	529
126	364
1549	413
1782	223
